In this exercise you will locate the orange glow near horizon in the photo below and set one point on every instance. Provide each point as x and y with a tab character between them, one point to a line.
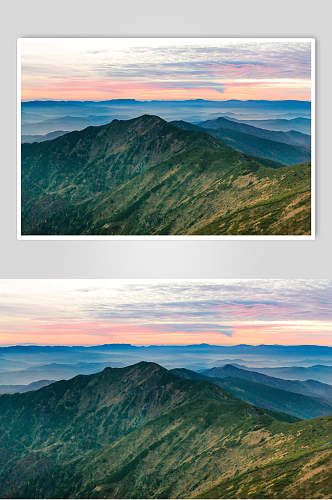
94	333
166	312
165	69
105	90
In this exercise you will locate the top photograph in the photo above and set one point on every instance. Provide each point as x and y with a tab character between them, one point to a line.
190	138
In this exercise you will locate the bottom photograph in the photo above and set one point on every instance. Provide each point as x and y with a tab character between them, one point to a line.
165	388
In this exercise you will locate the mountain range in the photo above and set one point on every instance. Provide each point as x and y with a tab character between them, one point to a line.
145	432
41	117
304	400
300	124
146	176
286	148
307	387
318	372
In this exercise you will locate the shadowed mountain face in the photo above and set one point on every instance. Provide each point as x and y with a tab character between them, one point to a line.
288	137
307	387
144	432
287	148
145	176
262	394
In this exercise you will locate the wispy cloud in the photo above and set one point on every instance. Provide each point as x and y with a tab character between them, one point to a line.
139	312
163	68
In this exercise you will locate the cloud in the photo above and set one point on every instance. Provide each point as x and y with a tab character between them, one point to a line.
247	311
166	64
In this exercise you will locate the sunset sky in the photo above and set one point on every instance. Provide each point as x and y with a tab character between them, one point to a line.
89	312
165	69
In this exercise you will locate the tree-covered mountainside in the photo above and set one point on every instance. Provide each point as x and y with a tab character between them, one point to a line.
144	432
146	176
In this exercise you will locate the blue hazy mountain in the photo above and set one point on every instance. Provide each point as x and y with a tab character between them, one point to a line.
45	137
41	117
300	124
310	388
287	148
24	361
317	372
34	386
265	396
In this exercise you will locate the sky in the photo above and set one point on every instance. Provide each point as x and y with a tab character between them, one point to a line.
166	312
165	69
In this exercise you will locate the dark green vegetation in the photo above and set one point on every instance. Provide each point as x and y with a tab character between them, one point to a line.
262	394
146	176
144	432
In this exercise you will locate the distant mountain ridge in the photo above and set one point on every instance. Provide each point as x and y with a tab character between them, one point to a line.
286	153
45	137
33	386
307	387
291	137
321	373
300	124
264	394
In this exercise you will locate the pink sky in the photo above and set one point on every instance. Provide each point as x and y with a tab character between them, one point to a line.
165	69
221	312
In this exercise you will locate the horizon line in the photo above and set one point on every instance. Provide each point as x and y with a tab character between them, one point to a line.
166	100
163	345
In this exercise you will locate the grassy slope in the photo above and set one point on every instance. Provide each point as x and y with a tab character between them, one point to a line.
203	187
200	192
142	432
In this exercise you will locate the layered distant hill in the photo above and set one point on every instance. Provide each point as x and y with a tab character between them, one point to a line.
12	389
287	148
144	432
305	386
300	124
41	117
146	176
45	137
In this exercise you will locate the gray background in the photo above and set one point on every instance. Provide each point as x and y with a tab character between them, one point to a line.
165	259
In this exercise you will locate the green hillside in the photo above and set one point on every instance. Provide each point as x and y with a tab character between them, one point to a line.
145	176
144	432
